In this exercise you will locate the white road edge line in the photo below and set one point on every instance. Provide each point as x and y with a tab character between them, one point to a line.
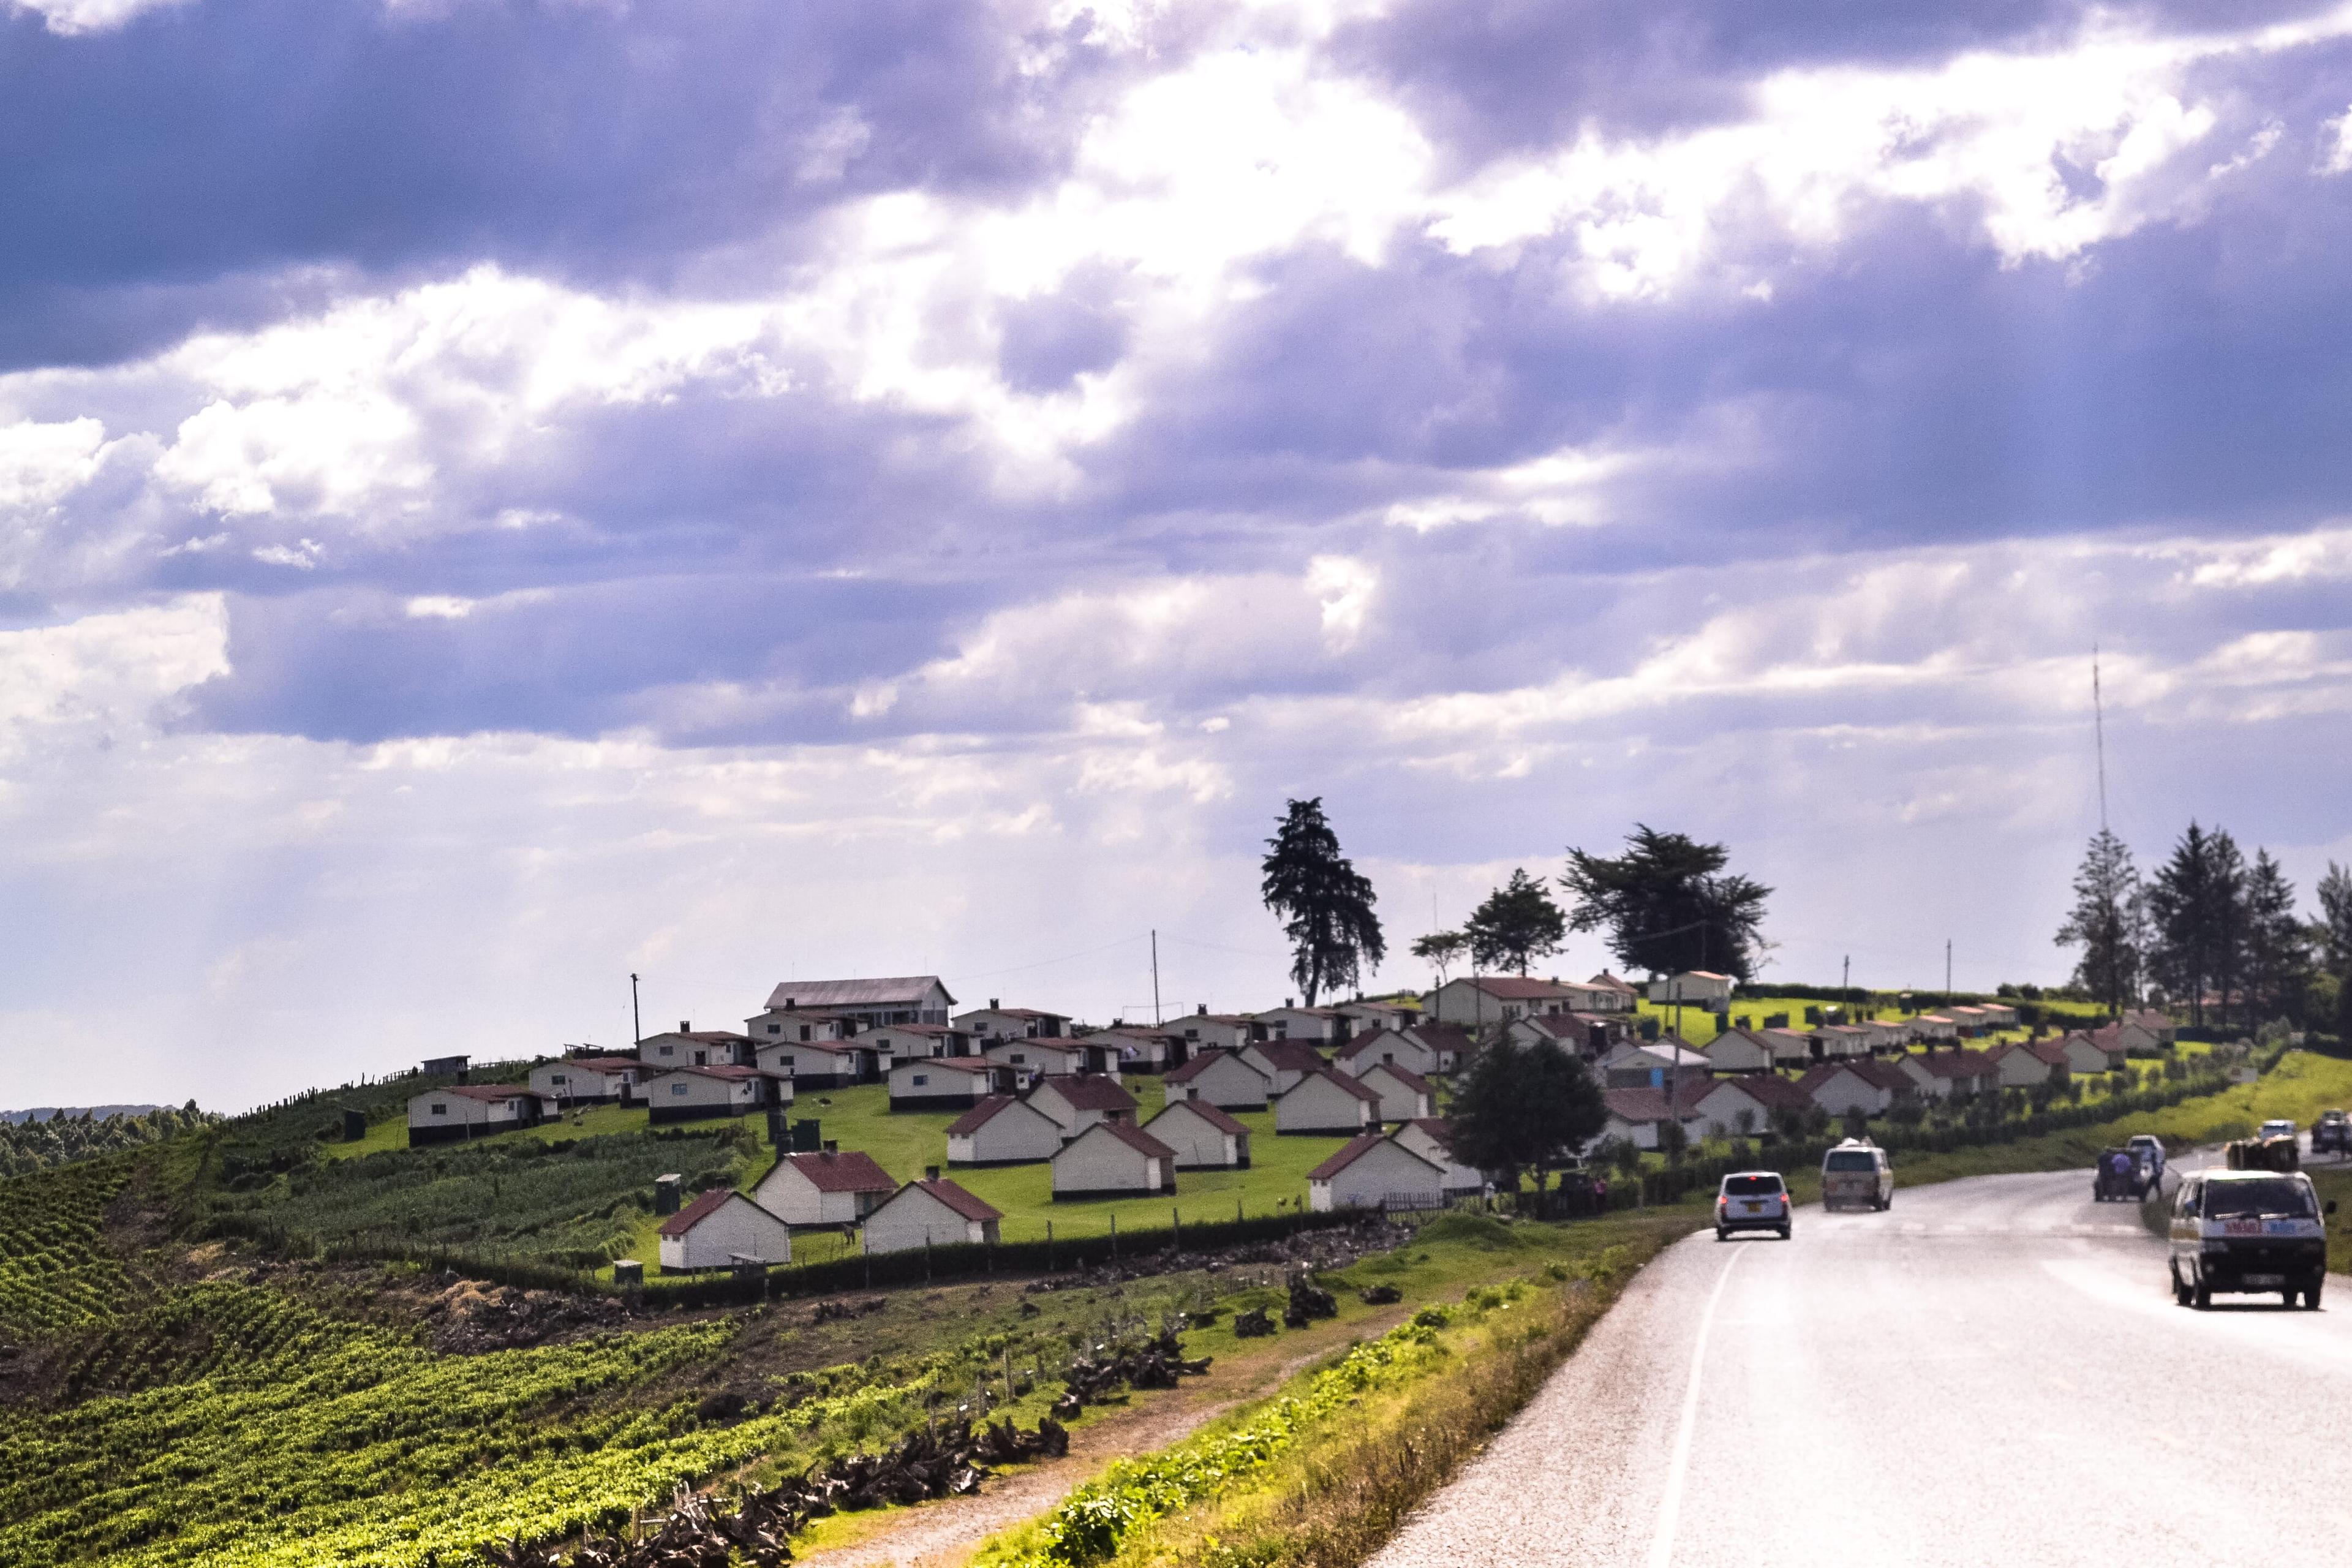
1670	1506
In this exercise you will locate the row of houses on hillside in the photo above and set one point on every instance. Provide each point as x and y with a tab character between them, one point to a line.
724	1228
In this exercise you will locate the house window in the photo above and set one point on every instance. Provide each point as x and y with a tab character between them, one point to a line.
805	1033
440	1111
557	1078
1019	1058
678	1089
921	1078
775	1028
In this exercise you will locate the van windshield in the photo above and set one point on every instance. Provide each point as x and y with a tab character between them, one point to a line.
1851	1160
1751	1186
2274	1197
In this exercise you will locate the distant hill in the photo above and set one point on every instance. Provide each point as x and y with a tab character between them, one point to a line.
50	1112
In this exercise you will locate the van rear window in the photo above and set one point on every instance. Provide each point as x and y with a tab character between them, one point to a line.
1751	1186
1851	1160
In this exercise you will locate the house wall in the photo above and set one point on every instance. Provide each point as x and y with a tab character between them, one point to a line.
1398	1103
1198	1145
574	1081
2023	1070
914	1218
1229	1083
1093	1167
788	1194
462	1116
674	1050
1455	1176
737	1227
929	1086
1389	1046
1846	1092
1384	1169
688	1097
1721	1108
1199	1031
1279	1079
1738	1053
1017	1135
808	1066
1317	1105
1037	1055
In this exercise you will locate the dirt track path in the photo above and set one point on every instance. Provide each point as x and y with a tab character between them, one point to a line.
943	1534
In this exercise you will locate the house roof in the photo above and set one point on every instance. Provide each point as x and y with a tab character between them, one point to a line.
1290	1056
933	1030
1514	987
1443	1037
1934	1019
853	1172
1699	974
957	1198
596	1063
989	1109
1310	1012
488	1092
1650	1104
1205	1112
1202	1061
707	1037
1022	1013
698	1211
1957	1064
1363	1044
878	993
1765	1089
1342	1079
2055	1054
1611	982
831	1048
1878	1074
1087	1091
731	1073
1067	1045
1355	1149
956	1064
1436	1127
1405	1076
1127	1133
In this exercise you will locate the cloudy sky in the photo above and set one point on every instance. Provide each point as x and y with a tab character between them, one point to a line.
495	496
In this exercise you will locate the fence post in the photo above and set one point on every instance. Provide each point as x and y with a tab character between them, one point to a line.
1114	1235
1049	1246
1175	1229
927	1258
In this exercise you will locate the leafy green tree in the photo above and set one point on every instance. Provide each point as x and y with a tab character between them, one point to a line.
1525	1107
1324	902
2333	934
2100	923
1668	905
1442	950
1518	924
2278	945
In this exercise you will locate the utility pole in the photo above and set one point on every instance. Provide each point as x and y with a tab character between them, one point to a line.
636	1019
1845	982
1156	1019
1948	972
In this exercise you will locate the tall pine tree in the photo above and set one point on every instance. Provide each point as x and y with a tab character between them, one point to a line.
1324	902
2100	923
1518	924
2278	946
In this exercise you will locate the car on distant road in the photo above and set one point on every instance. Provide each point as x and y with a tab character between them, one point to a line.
2332	1133
2245	1233
1855	1174
2149	1150
2278	1126
1751	1200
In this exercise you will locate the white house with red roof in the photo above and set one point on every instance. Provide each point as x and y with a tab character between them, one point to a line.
2093	1052
1230	1031
1701	988
1586	1036
2147	1030
1327	1104
1404	1094
1076	1101
1479	1001
820	1064
1204	1138
1032	1059
1723	1103
1864	1085
1432	1138
1947	1074
825	1188
2023	1064
798	1026
947	1083
1136	1047
1635	1115
1374	1172
464	1110
1322	1026
1398	1047
1003	1130
1113	1159
998	1022
1221	1078
893	1042
722	1230
585	1080
1738	1051
933	1212
1607	993
688	1046
1283	1062
694	1094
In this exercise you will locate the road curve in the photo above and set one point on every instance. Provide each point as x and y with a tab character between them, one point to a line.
1992	1371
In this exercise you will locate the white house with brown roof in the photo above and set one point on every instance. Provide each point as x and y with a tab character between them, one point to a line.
1864	1085
1376	1013
464	1111
798	1026
1321	1025
1723	1103
1374	1172
1790	1048
825	1188
1738	1051
1077	1102
829	1064
1220	1077
1327	1104
1607	993
1842	1042
1648	1064
1947	1074
1701	988
1635	1115
1391	1046
1432	1138
695	1094
585	1080
1204	1138
2089	1054
2147	1030
998	1022
949	1083
1971	1020
1003	1130
2023	1064
1230	1031
1934	1028
1478	1001
1031	1059
1405	1095
1283	1062
688	1046
1586	1036
1113	1159
1136	1047
897	999
933	1212
721	1230
893	1042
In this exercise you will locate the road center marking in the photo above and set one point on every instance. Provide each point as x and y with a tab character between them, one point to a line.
1670	1506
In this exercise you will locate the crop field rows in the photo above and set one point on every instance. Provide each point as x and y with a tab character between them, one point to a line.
55	1274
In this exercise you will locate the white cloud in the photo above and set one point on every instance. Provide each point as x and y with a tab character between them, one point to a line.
1345	589
40	465
70	18
2336	145
439	607
302	555
105	672
2323	555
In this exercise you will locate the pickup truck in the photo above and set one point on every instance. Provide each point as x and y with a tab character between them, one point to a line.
2247	1232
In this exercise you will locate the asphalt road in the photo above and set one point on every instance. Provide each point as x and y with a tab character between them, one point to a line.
1991	1372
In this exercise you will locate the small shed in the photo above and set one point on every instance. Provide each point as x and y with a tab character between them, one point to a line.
1220	1077
1374	1172
825	1188
1327	1104
819	1064
461	1111
948	1083
1077	1102
932	1211
1003	1130
720	1229
1113	1159
1204	1138
1404	1094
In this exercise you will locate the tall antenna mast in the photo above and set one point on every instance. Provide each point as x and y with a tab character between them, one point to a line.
2099	728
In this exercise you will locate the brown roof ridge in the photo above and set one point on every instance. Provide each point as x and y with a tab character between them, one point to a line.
1205	1112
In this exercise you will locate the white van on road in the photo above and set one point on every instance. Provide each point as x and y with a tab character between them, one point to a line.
1855	1174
